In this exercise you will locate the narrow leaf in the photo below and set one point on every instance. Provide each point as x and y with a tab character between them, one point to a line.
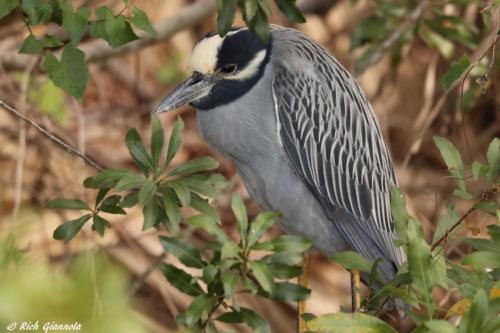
68	230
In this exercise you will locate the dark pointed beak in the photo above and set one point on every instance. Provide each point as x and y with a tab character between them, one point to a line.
193	88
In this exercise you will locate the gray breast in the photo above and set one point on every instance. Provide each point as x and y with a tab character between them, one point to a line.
245	132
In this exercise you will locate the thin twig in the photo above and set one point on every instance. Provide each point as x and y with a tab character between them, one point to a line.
50	136
139	282
485	196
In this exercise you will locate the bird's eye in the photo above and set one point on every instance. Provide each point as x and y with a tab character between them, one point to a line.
228	69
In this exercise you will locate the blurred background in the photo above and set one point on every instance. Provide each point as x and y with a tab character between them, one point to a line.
404	88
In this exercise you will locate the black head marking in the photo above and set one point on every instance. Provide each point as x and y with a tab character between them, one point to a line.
238	48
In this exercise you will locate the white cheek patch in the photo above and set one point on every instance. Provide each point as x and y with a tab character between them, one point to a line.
204	56
250	69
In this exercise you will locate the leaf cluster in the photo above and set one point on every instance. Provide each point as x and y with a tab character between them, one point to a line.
225	267
70	72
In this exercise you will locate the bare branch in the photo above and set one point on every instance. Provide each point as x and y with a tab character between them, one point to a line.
50	136
98	50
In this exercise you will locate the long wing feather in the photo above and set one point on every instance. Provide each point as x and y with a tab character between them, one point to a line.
329	133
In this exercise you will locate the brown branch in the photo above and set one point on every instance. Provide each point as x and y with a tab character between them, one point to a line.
408	24
98	50
485	196
51	136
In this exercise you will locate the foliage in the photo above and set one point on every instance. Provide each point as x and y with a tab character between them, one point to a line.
225	267
222	268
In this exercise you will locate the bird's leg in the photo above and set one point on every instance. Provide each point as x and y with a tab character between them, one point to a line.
355	285
303	281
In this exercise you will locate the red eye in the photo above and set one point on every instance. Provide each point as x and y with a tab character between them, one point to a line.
228	69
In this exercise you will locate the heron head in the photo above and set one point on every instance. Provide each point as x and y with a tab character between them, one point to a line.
222	70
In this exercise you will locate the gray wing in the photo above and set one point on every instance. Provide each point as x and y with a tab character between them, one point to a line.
329	133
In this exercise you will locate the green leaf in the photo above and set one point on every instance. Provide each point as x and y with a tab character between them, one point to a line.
285	258
342	322
185	252
240	212
181	280
399	212
291	11
209	224
261	25
482	259
68	230
478	170
263	275
141	21
129	200
290	292
284	243
115	29
494	232
74	23
129	182
147	191
195	165
100	225
419	262
175	140
247	316
182	192
487	206
138	152
71	73
474	317
106	178
230	280
199	306
453	160
171	208
31	45
435	40
6	7
151	211
112	209
157	139
352	261
62	203
285	271
260	225
493	156
203	206
225	15
250	9
483	244
206	185
230	250
100	195
457	68
38	12
445	222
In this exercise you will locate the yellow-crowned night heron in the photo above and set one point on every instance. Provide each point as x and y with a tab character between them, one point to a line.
302	134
